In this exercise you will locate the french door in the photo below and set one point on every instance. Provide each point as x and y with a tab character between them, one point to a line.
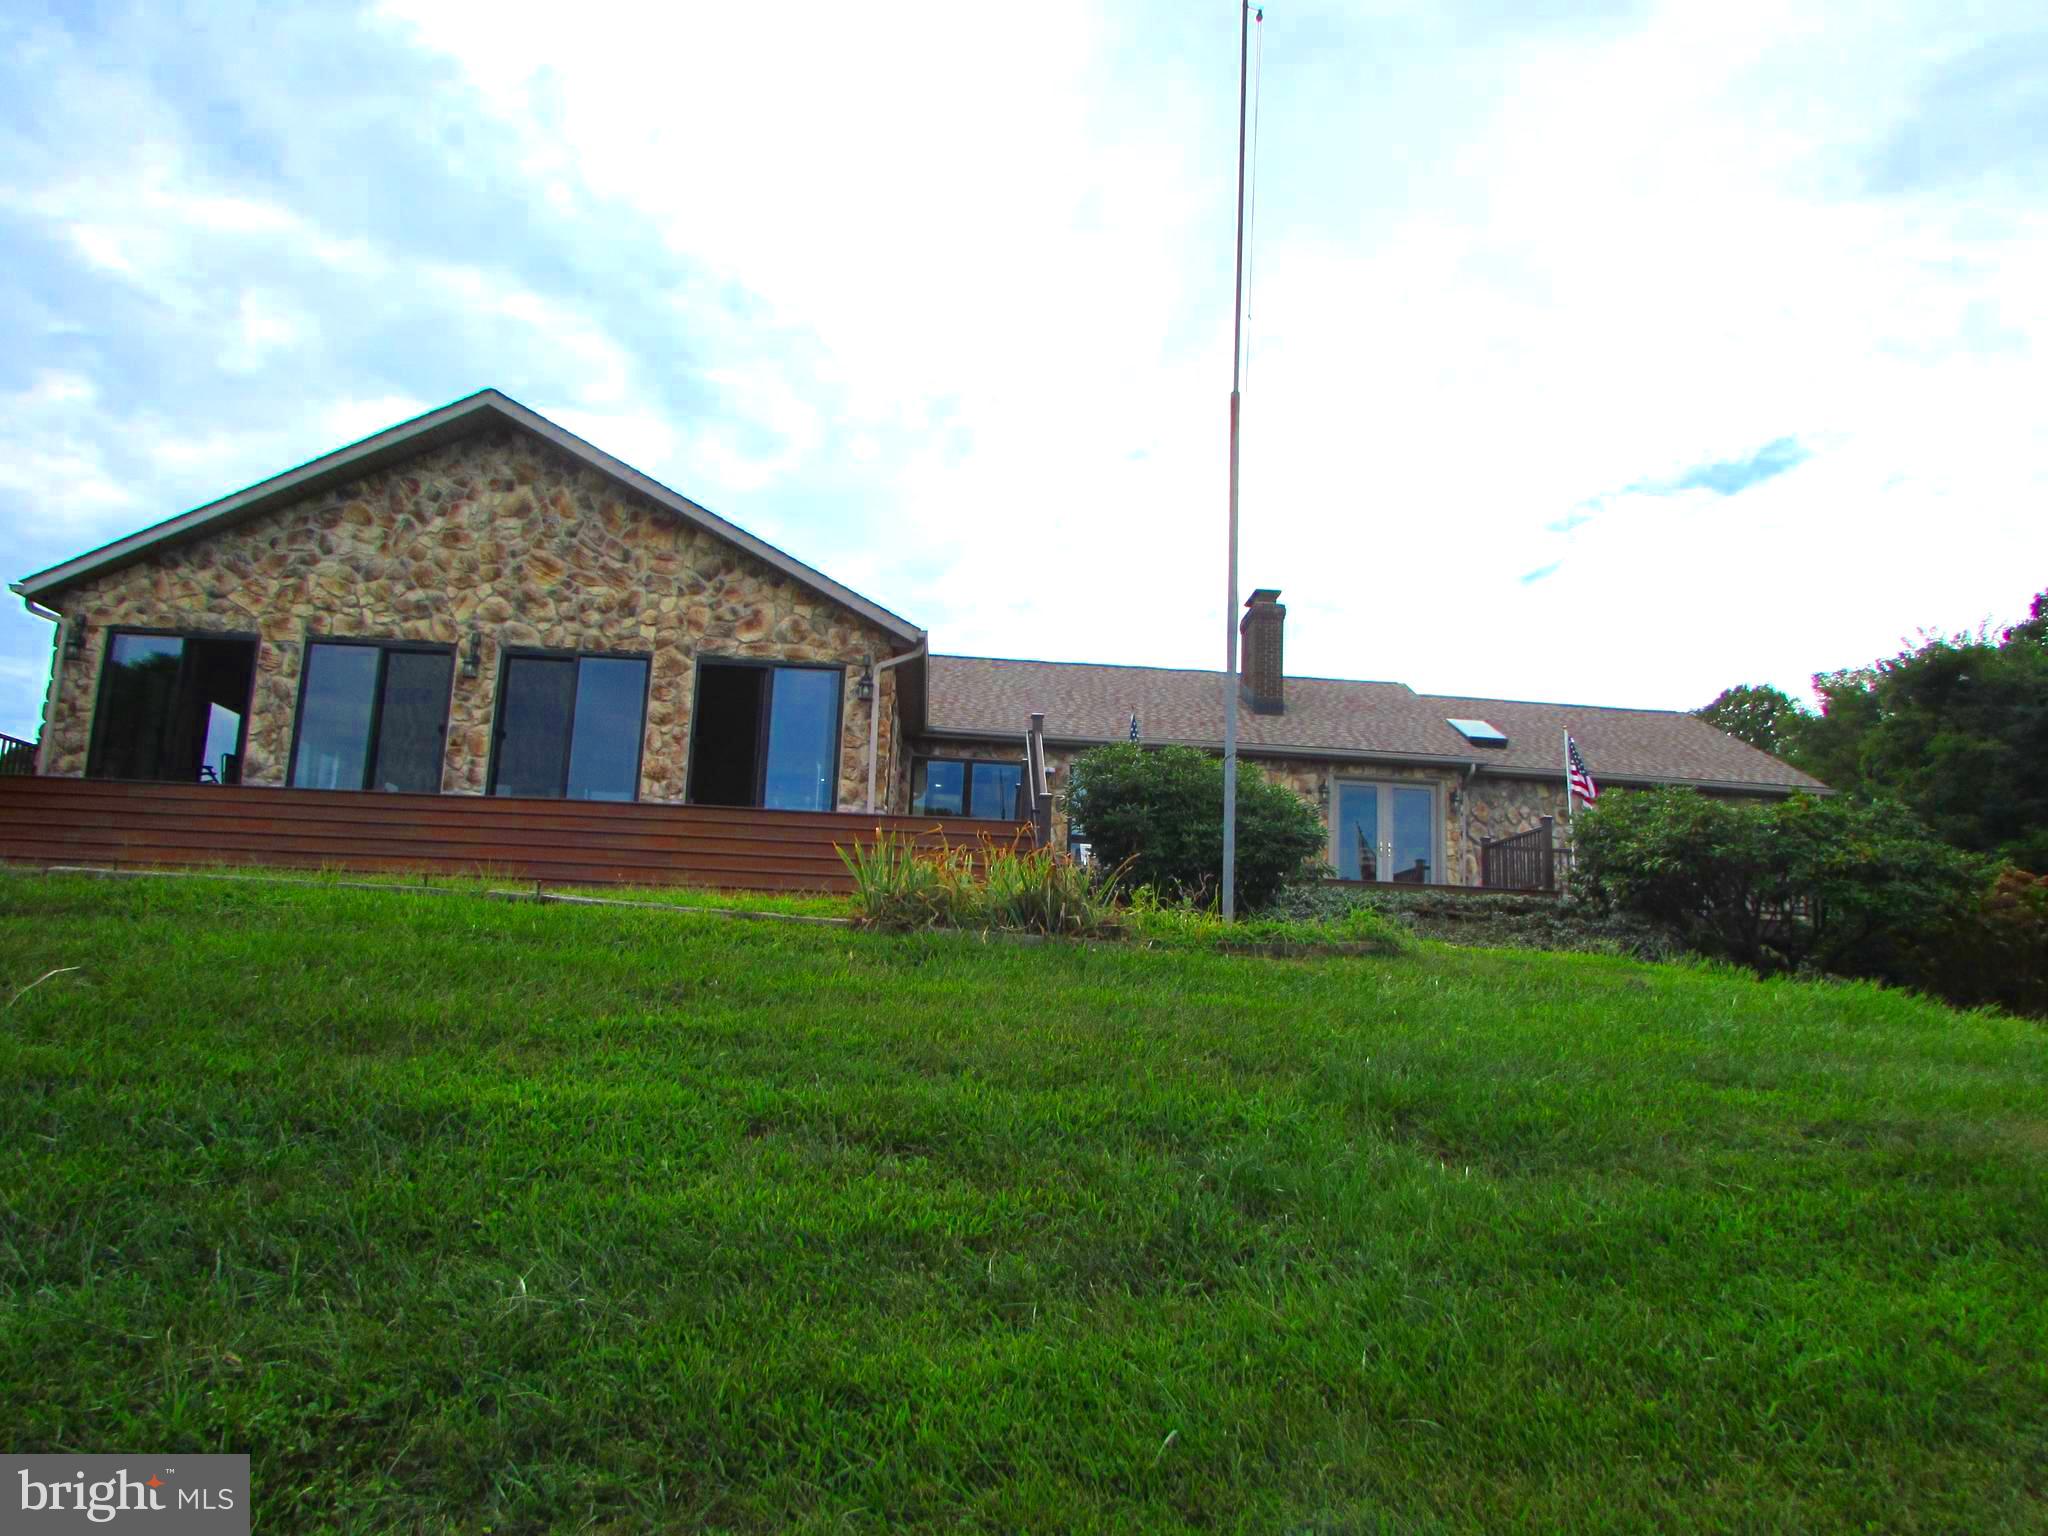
1385	832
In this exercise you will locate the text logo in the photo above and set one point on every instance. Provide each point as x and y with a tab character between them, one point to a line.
145	1494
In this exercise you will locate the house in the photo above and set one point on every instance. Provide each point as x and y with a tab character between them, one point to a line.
478	602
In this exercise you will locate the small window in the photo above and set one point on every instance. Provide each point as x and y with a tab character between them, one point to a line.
373	717
569	727
1479	733
949	786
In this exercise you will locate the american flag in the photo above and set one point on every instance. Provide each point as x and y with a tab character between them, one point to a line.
1576	778
1134	725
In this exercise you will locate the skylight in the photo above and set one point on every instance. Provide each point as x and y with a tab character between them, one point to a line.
1479	733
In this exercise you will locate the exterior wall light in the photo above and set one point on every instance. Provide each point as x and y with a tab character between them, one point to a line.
1323	797
74	637
864	690
472	653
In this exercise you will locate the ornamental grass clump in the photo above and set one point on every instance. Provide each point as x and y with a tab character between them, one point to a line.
984	886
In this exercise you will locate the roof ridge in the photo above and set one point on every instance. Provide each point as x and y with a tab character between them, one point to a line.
1143	666
1618	709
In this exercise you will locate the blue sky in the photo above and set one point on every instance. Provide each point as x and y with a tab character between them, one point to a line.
1612	353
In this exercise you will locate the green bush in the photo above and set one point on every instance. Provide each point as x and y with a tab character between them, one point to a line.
1501	920
990	885
1856	888
1998	953
1156	814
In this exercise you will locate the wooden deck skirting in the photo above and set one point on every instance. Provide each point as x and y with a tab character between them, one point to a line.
45	821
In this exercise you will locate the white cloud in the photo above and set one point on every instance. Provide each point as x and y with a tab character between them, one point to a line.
266	324
1648	252
48	457
938	298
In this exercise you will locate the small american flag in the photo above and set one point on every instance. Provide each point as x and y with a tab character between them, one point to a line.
1134	725
1577	779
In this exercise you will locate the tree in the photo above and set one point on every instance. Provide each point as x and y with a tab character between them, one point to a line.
1160	810
1956	728
1765	717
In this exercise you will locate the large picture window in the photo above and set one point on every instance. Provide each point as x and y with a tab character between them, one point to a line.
372	716
956	786
766	735
569	727
173	707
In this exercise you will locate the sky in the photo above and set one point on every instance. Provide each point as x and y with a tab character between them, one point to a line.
1611	353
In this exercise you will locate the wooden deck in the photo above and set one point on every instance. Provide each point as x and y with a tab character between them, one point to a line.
46	821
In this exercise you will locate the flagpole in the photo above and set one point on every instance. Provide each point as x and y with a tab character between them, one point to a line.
1569	797
1244	36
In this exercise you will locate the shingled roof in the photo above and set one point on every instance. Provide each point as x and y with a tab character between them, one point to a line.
1329	717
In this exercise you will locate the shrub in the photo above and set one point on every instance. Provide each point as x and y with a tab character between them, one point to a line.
1502	920
1858	888
1999	952
992	885
1157	812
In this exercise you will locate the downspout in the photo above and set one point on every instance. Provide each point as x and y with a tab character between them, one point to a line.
1465	850
875	712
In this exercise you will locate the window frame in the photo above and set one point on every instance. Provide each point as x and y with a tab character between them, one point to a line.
967	811
509	654
96	737
767	714
383	647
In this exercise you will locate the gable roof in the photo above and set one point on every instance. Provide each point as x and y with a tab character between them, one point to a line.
1086	703
485	408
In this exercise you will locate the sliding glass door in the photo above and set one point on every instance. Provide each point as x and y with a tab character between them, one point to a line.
1385	832
373	716
569	727
173	707
766	735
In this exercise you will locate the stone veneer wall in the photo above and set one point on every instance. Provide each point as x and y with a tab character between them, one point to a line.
1501	807
500	535
1492	807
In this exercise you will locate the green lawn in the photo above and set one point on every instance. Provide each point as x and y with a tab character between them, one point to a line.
459	1214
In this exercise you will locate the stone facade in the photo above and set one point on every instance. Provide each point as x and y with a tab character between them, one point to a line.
1487	806
497	536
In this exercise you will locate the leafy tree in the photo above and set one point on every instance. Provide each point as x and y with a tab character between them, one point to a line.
1161	809
1955	728
1765	717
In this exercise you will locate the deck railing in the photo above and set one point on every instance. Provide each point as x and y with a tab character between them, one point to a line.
1526	861
17	757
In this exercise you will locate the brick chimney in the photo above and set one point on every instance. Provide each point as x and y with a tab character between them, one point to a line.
1261	681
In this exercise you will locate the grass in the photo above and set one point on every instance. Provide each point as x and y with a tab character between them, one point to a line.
468	1215
790	903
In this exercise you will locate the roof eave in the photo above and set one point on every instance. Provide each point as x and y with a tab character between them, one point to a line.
1412	759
